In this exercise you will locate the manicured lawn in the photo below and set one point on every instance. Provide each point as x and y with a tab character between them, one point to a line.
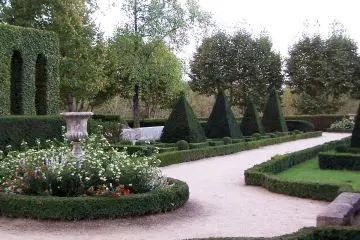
309	171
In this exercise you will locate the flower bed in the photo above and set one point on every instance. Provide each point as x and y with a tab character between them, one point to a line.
72	208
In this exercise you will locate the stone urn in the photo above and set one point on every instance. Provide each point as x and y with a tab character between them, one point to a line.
76	130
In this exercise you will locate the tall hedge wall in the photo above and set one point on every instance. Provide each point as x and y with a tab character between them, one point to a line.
29	63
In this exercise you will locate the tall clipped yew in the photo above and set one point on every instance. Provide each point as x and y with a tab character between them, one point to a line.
355	138
251	122
182	124
273	119
222	122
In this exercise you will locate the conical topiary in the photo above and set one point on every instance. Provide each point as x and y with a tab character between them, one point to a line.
273	119
182	125
251	122
355	138
222	122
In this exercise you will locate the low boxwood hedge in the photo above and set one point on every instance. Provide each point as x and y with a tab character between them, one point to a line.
339	130
264	175
216	143
73	208
313	233
339	160
195	154
198	145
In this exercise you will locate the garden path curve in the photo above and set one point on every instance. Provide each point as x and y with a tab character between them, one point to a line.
220	204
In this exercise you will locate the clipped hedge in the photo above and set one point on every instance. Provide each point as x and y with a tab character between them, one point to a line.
73	208
251	122
313	233
301	125
15	129
196	154
198	145
264	175
321	122
339	160
107	118
355	137
273	119
29	62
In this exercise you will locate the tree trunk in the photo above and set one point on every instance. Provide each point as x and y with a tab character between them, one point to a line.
70	102
136	107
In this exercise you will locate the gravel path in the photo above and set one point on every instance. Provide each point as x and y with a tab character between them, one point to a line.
219	205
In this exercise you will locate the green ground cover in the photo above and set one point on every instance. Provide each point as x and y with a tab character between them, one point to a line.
309	171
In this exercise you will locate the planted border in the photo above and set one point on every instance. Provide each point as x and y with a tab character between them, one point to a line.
264	175
169	158
74	208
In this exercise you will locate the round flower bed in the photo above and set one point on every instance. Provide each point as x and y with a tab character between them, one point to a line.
72	208
49	182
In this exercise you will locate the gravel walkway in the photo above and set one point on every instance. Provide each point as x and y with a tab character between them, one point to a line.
220	205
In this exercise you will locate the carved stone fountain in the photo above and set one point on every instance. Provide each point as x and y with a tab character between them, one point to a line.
76	130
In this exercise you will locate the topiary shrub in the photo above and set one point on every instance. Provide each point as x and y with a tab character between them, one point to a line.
182	145
355	138
222	122
273	119
251	122
182	125
227	140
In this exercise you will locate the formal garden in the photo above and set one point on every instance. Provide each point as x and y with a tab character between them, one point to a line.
67	167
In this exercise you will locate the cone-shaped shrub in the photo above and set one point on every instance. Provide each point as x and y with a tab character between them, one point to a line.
273	119
251	122
182	125
355	138
222	122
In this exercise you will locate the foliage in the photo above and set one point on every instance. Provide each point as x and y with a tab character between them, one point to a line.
198	145
75	208
355	138
28	44
182	145
339	160
321	70
238	64
82	48
222	122
264	175
55	171
182	124
227	140
299	125
251	122
273	119
344	123
169	158
154	23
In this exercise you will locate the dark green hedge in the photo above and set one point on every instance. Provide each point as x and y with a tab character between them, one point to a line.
338	160
27	46
107	118
15	129
355	137
216	143
251	122
264	175
273	119
300	125
322	233
221	122
198	145
182	125
195	154
73	208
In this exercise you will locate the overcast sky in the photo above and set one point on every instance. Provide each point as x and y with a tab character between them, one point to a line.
283	20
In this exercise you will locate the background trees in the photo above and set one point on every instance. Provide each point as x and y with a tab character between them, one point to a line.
240	64
320	70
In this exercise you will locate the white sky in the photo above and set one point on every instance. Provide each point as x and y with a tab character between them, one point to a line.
283	20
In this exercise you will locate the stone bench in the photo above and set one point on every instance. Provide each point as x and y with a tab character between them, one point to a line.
341	211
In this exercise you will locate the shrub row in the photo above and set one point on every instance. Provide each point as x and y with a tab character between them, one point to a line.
339	130
72	208
264	175
322	233
195	154
339	161
300	125
198	145
15	129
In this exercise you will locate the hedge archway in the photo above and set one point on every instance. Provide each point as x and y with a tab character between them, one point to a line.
17	79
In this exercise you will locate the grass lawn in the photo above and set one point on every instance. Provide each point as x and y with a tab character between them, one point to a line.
309	171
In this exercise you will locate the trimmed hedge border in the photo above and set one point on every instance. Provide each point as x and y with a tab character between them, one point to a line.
339	160
339	130
169	158
74	208
312	233
264	175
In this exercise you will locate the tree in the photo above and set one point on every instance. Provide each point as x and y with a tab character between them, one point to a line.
239	64
81	45
322	70
158	22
